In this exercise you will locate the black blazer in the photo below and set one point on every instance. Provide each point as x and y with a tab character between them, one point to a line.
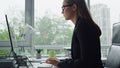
85	46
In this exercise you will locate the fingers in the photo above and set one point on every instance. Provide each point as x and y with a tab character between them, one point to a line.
53	61
50	60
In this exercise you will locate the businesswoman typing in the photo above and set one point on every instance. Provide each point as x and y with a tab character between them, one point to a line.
85	45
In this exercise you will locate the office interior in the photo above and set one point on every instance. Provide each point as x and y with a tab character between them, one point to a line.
38	25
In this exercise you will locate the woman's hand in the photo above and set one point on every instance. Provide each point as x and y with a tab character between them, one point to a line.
53	61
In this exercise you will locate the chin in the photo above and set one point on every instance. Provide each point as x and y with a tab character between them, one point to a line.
66	18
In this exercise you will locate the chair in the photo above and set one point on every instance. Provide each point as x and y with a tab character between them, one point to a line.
113	59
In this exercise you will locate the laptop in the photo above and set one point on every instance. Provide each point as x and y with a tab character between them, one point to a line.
20	59
10	37
9	63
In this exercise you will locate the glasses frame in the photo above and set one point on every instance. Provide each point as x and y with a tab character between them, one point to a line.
63	7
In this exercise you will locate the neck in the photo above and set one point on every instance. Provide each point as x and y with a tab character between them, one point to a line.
74	19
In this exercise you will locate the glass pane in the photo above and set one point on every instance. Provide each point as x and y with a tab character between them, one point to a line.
15	11
52	30
105	13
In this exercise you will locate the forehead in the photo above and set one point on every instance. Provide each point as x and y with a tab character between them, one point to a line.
68	1
65	1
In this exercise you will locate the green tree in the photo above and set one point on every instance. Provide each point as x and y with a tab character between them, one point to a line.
52	31
4	35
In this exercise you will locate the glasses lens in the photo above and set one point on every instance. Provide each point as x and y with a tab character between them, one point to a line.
63	7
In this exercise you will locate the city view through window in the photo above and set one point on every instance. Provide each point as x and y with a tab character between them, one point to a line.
105	13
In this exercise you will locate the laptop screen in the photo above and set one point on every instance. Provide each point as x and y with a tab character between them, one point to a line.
10	37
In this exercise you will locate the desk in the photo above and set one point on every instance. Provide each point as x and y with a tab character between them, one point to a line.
39	63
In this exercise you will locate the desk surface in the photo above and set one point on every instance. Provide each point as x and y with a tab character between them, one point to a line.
40	63
37	65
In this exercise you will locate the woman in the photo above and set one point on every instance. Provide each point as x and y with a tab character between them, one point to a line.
85	46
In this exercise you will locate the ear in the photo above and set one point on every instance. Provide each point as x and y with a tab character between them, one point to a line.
74	7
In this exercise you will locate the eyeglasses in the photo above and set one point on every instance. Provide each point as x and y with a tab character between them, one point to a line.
63	7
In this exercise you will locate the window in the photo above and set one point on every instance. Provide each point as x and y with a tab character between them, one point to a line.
15	11
52	30
105	13
48	28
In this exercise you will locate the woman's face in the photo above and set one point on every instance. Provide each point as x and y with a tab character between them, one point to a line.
67	10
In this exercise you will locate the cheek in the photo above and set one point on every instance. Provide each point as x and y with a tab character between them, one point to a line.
68	15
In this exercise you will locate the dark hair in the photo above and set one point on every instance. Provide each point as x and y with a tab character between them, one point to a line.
82	11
